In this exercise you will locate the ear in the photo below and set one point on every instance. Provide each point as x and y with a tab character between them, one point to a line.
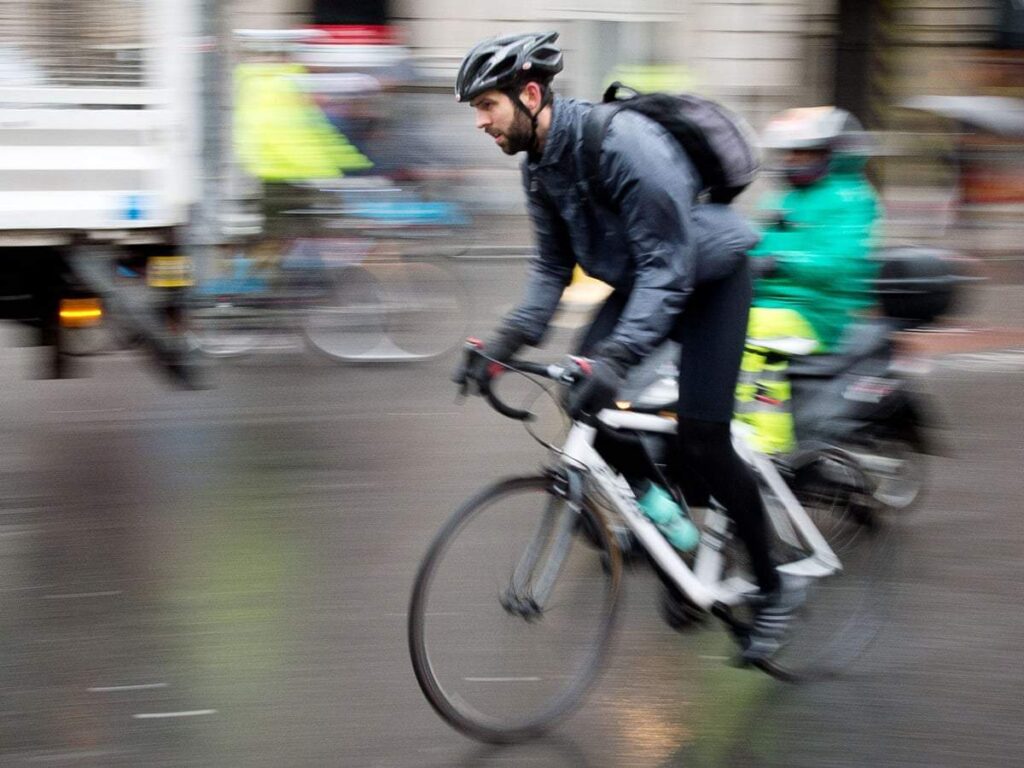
532	95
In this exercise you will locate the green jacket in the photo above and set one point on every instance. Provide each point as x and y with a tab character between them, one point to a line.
822	243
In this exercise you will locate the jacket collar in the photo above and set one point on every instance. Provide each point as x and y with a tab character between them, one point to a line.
564	117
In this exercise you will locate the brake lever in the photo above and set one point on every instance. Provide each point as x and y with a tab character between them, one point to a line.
575	368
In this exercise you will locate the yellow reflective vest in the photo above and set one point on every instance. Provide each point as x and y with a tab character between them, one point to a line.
280	134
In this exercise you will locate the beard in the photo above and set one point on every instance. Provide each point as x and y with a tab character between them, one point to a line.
518	137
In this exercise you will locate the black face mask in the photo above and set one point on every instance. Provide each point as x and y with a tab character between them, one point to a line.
805	174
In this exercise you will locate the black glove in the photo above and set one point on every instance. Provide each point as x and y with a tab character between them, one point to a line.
597	389
475	368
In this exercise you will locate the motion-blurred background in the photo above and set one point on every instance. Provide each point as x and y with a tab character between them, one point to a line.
209	528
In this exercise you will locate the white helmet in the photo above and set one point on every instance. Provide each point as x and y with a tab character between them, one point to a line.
829	128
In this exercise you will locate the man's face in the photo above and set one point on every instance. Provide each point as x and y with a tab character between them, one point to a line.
497	115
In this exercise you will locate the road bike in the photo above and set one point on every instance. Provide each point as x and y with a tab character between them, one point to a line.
353	288
515	602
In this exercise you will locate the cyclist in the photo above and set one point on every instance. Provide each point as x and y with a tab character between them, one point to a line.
814	259
678	270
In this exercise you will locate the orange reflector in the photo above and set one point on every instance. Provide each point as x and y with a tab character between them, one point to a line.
80	313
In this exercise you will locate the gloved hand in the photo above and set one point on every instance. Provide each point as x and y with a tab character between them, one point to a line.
608	368
501	347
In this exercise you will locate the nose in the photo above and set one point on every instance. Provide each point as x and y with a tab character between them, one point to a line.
482	120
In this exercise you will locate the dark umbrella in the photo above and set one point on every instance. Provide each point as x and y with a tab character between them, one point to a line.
998	115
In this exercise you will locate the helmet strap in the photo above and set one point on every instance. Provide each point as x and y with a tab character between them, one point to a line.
546	99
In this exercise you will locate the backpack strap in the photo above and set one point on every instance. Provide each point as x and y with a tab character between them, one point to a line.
661	108
595	127
611	93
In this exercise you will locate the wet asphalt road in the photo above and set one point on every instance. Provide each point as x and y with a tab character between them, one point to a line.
221	579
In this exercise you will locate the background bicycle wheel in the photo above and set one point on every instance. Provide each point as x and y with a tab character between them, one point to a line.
400	311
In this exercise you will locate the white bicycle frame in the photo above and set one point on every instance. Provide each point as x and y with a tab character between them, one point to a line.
703	584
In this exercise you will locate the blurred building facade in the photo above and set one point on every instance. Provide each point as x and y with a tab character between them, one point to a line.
757	56
755	53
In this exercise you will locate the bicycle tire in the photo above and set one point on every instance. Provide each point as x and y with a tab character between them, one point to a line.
84	342
457	697
391	312
843	613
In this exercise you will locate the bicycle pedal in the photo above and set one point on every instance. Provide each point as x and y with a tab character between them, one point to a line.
679	614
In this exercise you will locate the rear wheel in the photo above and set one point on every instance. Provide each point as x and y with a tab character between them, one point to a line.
899	472
842	616
511	612
84	342
843	611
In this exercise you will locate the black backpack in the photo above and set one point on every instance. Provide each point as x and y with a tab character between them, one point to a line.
719	143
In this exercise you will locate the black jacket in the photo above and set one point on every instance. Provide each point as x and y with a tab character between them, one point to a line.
657	243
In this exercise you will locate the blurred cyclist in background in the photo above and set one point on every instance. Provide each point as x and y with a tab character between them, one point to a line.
813	262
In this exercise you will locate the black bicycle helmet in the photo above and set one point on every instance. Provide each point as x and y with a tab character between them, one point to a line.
503	62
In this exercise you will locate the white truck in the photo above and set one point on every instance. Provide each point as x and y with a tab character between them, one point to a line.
99	126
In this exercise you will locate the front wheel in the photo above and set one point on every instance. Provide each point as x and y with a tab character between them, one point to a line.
511	612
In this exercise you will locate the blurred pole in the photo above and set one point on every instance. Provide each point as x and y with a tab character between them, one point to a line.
866	70
855	24
205	224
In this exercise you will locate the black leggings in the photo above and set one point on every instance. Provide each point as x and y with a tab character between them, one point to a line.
712	331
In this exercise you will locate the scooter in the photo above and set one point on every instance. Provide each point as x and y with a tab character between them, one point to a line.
863	402
863	427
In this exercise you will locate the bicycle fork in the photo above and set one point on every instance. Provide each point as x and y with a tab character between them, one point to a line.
534	578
